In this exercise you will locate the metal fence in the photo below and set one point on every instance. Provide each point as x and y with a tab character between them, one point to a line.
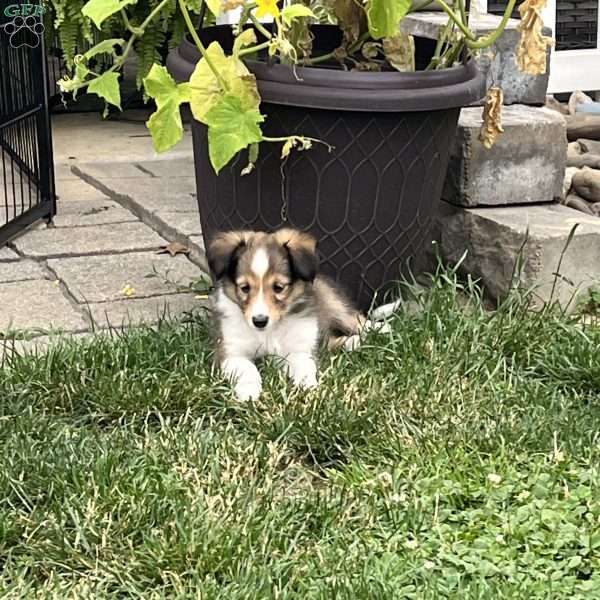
26	167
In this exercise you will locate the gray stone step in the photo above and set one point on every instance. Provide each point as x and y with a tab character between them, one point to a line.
497	62
494	239
527	164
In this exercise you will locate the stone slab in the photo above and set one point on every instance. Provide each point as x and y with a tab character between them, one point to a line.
104	278
178	167
8	254
21	270
39	305
77	241
170	194
186	223
135	311
527	163
494	237
121	170
76	189
498	62
82	213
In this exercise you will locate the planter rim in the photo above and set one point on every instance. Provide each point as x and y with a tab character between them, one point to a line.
325	88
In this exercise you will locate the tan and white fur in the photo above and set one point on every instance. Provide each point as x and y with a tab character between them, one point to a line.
270	300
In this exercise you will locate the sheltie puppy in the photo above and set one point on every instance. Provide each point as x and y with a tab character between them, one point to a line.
269	299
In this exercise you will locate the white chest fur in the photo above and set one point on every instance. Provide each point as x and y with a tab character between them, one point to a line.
292	335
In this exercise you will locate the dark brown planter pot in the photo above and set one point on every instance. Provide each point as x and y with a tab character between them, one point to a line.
372	201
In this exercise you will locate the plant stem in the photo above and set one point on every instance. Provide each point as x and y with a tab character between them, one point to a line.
200	45
127	23
260	26
456	18
488	40
254	48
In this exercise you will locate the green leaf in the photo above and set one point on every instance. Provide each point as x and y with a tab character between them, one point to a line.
206	91
385	16
99	10
104	47
295	11
246	38
214	6
230	129
165	124
107	87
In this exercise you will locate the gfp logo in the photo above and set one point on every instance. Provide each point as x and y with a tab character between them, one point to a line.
25	27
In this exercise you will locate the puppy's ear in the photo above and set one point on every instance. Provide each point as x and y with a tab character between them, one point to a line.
302	251
224	251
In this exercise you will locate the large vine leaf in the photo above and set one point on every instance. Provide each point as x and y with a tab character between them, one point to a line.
165	124
206	89
385	16
99	10
107	86
231	128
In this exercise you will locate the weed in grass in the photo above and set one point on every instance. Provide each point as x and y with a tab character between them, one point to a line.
456	457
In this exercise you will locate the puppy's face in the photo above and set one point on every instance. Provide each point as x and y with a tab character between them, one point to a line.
266	275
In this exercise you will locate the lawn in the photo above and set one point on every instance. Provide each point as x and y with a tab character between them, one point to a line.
456	457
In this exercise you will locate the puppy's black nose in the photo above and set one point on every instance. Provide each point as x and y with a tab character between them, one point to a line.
260	321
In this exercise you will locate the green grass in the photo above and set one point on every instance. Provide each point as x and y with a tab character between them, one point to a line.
455	458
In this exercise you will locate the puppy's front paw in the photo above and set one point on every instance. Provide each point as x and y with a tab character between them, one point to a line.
303	370
352	342
248	390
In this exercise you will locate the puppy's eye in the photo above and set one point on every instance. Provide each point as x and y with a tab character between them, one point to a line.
278	288
244	288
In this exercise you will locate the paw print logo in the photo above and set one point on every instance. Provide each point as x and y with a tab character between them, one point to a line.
24	31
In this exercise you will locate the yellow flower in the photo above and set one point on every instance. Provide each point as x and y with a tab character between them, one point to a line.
267	7
128	291
531	54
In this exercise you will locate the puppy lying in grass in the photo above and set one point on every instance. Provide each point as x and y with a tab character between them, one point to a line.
269	299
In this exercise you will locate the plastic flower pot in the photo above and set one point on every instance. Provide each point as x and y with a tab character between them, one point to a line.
372	200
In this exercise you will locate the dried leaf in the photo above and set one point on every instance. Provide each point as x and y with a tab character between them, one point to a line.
174	248
400	51
352	19
227	5
491	127
370	50
531	54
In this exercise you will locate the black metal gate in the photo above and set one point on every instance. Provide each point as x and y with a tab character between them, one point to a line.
26	166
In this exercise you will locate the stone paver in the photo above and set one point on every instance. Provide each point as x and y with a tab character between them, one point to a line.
75	189
104	278
74	241
37	304
186	223
21	270
142	310
7	254
151	194
90	212
538	236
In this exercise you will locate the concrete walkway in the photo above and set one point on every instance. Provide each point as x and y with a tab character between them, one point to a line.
97	265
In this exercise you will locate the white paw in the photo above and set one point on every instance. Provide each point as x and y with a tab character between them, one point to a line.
378	326
303	370
352	342
248	390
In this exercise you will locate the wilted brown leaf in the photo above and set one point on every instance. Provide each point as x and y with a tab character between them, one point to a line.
174	248
491	127
400	51
232	4
531	54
